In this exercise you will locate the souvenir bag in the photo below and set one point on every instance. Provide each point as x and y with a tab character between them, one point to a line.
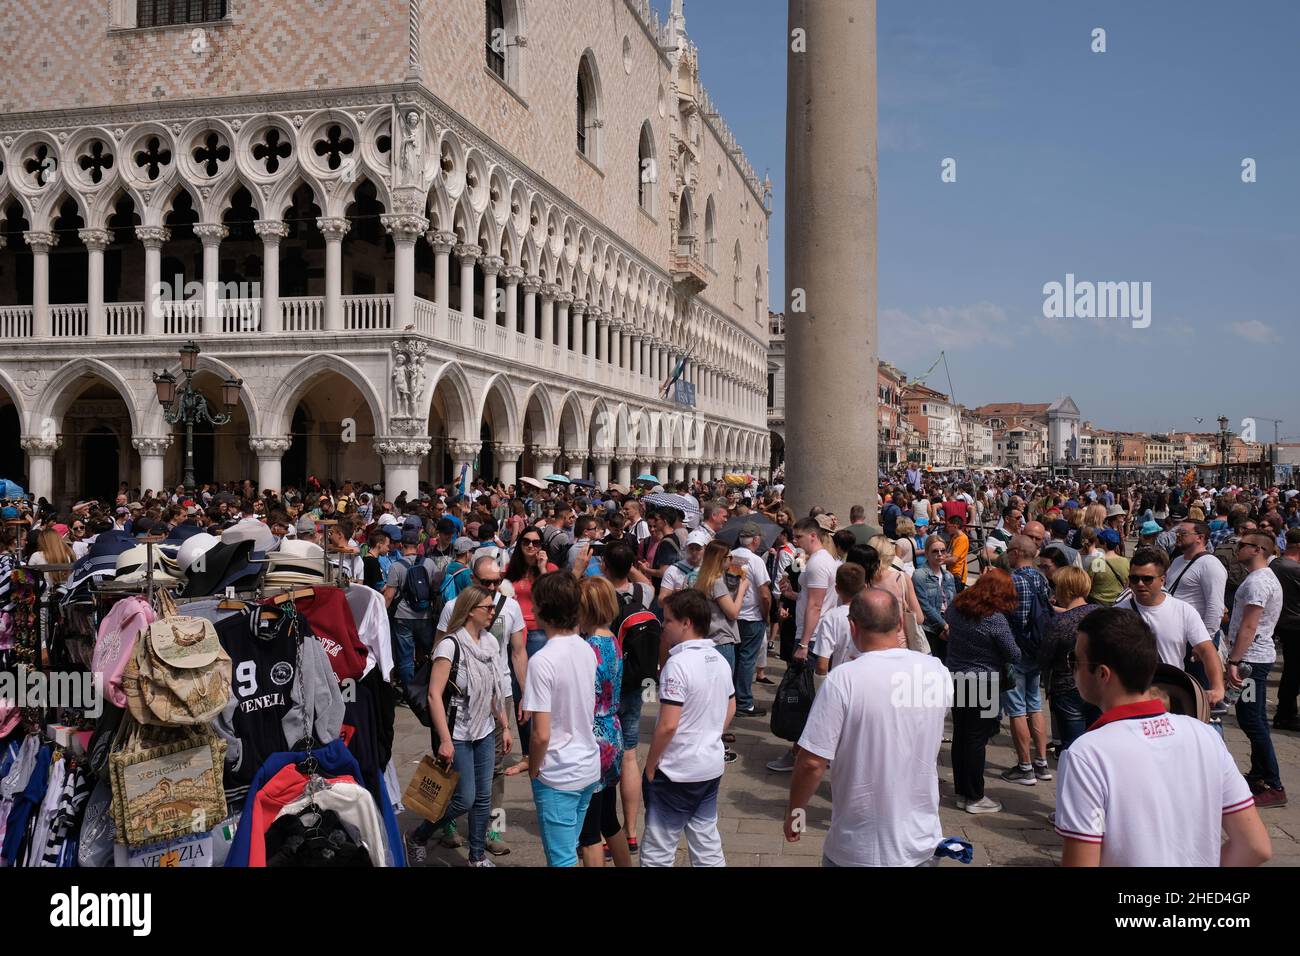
179	673
431	789
166	783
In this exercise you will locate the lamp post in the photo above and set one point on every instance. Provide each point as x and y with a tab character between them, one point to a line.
1223	451
185	404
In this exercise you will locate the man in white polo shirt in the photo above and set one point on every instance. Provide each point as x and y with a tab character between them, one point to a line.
880	719
1144	787
1175	623
682	772
560	699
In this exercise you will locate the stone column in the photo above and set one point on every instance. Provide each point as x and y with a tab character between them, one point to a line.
211	234
334	229
41	242
153	453
692	469
492	266
532	285
462	455
679	469
577	463
563	301
272	232
636	354
579	310
40	464
544	460
95	241
601	459
831	209
467	254
152	238
625	467
549	291
513	276
405	230
441	243
269	451
402	456
508	463
591	342
602	351
645	357
615	343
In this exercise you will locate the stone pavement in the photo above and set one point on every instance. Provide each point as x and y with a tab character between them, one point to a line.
752	801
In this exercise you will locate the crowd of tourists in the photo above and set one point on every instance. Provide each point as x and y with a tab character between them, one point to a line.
548	617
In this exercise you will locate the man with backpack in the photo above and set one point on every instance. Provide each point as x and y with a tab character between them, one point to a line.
457	576
1023	702
409	594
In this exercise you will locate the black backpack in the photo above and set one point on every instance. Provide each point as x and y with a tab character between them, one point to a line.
557	546
637	630
1030	637
793	702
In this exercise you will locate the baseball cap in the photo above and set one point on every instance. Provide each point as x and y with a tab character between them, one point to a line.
1072	503
306	526
698	537
825	523
463	544
748	531
392	531
1061	526
1110	536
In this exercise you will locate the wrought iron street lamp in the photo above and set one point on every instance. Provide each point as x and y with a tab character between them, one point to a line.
1223	451
184	404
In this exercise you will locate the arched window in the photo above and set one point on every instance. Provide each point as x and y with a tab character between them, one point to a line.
589	109
711	235
503	37
735	282
496	37
647	173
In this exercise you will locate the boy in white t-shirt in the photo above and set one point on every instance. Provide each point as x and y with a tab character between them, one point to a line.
560	699
697	700
1144	787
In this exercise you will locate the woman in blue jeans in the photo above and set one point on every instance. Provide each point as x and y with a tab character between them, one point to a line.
467	692
1073	714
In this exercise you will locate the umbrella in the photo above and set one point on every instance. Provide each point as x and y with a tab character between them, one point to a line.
767	528
649	479
559	479
10	490
683	503
532	483
584	482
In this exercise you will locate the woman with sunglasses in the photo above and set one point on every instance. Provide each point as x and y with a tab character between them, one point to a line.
528	562
478	696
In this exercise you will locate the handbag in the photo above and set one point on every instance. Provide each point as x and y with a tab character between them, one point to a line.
166	783
915	634
431	789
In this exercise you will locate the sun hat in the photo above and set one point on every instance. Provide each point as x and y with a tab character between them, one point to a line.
1151	527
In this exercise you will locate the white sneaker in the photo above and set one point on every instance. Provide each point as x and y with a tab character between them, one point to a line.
783	763
961	803
986	805
483	862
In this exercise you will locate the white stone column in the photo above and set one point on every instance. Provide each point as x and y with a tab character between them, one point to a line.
532	285
467	254
577	463
602	354
615	343
507	457
514	276
679	469
152	238
831	214
549	291
402	456
40	464
636	354
272	232
153	453
269	450
442	244
579	310
211	234
562	303
625	467
462	455
592	342
692	469
492	266
405	230
544	460
41	241
95	241
645	357
601	459
334	229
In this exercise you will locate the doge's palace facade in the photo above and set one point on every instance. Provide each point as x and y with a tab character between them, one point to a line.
423	234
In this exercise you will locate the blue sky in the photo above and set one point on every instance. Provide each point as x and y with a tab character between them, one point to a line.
1115	166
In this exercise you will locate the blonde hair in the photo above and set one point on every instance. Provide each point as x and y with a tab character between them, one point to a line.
598	605
55	551
468	599
905	528
885	548
1094	516
1071	583
712	565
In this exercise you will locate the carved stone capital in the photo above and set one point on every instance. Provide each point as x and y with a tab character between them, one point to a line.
532	284
407	426
492	265
467	252
441	242
464	450
41	241
512	275
210	233
152	447
579	307
548	452
405	227
550	291
41	446
271	230
265	446
96	240
398	450
153	237
601	456
566	299
510	452
333	228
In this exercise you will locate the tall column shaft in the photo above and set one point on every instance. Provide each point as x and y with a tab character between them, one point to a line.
272	232
40	242
334	230
831	209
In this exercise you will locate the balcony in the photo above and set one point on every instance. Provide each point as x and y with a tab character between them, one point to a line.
690	273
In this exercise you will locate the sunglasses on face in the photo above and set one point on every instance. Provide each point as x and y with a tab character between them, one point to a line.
483	607
1142	578
490	583
531	542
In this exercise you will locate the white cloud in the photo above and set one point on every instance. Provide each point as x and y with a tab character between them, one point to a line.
906	336
1257	332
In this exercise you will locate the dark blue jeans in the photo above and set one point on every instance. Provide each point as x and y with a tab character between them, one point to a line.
1252	717
474	762
535	642
408	636
1073	715
753	635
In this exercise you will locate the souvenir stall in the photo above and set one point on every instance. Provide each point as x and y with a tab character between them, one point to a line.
194	701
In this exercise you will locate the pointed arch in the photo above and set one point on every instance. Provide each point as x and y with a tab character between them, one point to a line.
451	381
549	431
299	379
498	399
